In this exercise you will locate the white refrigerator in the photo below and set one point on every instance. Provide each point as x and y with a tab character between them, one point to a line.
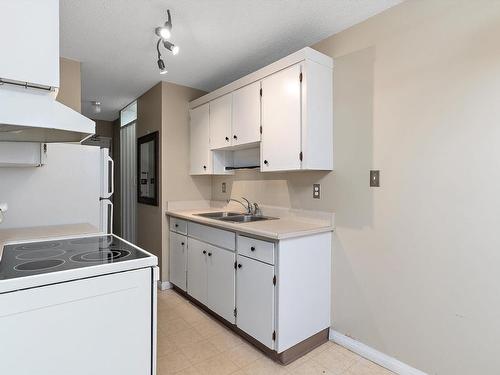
74	185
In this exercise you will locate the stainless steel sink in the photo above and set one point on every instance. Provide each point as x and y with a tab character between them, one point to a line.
246	218
234	217
219	215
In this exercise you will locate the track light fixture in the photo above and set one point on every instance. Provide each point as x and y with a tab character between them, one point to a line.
165	32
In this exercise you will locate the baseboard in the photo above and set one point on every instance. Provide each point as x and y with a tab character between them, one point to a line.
164	285
373	355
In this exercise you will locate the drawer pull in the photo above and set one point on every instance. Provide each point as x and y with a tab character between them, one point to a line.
177	225
239	265
252	248
209	254
204	251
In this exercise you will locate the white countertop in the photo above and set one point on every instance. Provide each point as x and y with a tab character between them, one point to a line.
40	233
279	229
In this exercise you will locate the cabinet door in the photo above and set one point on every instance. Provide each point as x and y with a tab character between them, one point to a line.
178	260
220	122
197	270
281	121
199	134
221	282
255	299
246	115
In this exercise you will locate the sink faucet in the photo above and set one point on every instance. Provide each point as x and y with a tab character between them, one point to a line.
255	210
248	206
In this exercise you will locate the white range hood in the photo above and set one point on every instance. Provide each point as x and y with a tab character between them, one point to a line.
29	77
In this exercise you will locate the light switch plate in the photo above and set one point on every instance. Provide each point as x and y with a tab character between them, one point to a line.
316	191
374	178
223	187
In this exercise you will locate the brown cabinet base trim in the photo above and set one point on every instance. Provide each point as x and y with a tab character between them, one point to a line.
284	358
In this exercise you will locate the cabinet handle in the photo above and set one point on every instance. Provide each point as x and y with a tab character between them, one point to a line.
227	139
235	137
209	254
182	243
177	225
205	167
204	251
252	248
239	265
266	162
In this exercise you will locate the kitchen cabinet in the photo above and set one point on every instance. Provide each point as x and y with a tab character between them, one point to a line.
220	282
197	270
220	122
178	260
200	156
255	299
246	115
284	109
275	291
281	121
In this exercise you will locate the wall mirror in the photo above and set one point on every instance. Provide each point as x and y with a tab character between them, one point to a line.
147	169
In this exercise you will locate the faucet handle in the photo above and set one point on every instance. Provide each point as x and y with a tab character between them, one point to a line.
256	209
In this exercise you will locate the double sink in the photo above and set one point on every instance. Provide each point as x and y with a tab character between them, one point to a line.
235	217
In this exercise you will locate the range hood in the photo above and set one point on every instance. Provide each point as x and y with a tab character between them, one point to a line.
29	77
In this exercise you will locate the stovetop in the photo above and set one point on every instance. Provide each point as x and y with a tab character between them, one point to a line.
35	258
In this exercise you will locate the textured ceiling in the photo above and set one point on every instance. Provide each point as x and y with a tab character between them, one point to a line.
220	40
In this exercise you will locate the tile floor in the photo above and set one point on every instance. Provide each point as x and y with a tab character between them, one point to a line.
191	342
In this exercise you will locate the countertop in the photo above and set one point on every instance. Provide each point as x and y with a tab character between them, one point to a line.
44	232
279	229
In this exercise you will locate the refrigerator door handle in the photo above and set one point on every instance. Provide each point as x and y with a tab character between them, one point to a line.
111	170
110	220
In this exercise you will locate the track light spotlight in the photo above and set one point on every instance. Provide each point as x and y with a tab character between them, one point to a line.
165	31
171	47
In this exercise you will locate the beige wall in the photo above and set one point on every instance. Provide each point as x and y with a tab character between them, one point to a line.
70	91
165	108
149	218
416	261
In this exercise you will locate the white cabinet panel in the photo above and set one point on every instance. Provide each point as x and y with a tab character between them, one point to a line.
197	270
281	121
255	299
246	115
216	236
24	21
221	283
220	122
178	225
199	148
178	260
256	249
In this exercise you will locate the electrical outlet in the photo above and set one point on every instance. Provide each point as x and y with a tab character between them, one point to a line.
223	187
374	178
316	191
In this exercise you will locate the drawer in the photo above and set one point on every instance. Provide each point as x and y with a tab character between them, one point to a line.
178	225
256	249
215	236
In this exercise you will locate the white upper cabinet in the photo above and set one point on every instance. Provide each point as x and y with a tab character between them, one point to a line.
287	106
29	35
246	115
199	147
220	122
281	121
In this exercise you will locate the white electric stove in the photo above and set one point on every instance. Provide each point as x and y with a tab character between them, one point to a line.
80	305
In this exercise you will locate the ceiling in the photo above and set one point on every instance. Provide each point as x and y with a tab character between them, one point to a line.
220	40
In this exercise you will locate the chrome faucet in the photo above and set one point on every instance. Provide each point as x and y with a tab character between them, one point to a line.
248	206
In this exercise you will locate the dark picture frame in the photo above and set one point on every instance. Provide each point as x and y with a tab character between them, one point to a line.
146	193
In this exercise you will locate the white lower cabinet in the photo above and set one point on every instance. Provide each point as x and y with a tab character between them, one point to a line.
255	299
210	277
197	270
220	273
178	260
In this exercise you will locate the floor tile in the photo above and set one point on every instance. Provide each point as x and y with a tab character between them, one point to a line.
208	328
334	361
172	362
165	345
185	337
366	367
169	326
199	351
244	354
310	367
264	366
218	365
225	340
